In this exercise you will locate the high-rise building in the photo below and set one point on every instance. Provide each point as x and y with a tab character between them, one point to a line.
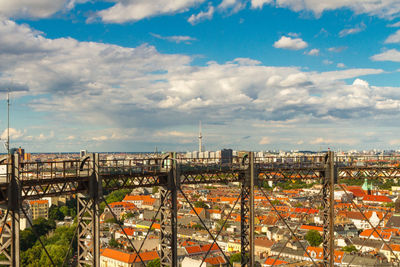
226	156
39	208
83	153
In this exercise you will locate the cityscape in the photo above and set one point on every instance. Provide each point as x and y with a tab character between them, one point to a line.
194	133
212	227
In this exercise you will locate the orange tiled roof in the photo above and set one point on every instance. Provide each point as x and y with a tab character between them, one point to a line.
394	247
311	227
376	198
317	253
126	205
205	248
129	257
128	231
271	261
137	198
198	210
370	232
215	260
193	250
39	201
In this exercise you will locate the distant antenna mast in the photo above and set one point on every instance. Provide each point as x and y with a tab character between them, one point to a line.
200	138
8	121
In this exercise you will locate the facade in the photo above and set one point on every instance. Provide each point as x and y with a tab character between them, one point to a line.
116	258
39	208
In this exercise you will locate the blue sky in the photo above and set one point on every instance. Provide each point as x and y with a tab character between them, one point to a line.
132	75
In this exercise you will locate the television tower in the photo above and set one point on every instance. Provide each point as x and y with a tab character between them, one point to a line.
200	138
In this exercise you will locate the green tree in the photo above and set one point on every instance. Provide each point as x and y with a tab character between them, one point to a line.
41	226
314	238
349	249
57	245
113	243
220	222
57	254
237	257
27	239
115	196
155	190
200	204
154	263
198	226
55	213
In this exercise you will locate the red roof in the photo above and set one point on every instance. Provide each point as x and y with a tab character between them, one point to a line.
205	248
129	257
317	253
306	210
137	198
126	205
198	210
311	227
193	250
356	190
273	262
370	232
377	198
215	260
40	201
128	231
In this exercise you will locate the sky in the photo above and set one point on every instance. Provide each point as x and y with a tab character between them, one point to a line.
133	75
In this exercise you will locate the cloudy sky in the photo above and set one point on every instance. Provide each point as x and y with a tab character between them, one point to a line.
132	75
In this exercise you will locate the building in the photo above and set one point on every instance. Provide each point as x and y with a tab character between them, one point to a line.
116	258
226	156
39	208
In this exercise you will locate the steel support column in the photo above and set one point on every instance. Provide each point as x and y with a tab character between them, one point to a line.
89	218
168	212
328	203
9	236
247	214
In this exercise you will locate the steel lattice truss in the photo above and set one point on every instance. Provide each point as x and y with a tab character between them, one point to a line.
42	179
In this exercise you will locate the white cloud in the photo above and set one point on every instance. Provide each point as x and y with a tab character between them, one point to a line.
146	89
290	43
332	141
337	49
357	29
327	62
134	10
100	138
232	5
388	55
313	52
341	65
394	142
394	38
174	134
194	19
31	8
394	25
175	38
260	3
14	134
381	8
264	141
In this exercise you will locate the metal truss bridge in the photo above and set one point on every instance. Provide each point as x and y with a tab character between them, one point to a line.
88	177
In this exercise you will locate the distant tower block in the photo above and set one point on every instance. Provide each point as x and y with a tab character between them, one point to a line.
83	153
200	138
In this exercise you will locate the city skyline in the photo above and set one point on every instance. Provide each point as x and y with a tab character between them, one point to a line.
259	74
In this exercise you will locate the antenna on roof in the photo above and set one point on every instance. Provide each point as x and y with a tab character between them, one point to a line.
6	143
